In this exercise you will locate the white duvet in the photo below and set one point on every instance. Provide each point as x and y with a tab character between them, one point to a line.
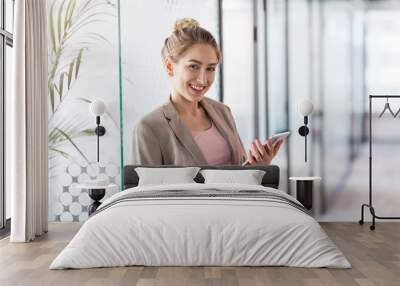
200	231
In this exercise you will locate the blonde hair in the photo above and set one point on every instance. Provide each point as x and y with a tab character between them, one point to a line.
186	33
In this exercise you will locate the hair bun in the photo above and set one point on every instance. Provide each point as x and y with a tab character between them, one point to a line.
185	23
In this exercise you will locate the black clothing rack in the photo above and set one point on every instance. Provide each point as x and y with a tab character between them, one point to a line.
369	205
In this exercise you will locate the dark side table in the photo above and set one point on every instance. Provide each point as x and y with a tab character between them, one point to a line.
304	190
96	193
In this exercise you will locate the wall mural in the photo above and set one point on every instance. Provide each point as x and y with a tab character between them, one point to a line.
82	65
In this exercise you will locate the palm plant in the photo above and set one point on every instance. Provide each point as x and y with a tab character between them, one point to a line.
67	22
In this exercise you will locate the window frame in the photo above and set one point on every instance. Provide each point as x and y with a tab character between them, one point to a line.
6	39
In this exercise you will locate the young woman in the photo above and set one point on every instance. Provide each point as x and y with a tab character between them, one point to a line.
191	129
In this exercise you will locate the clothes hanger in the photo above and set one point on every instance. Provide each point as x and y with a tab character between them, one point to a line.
387	106
397	113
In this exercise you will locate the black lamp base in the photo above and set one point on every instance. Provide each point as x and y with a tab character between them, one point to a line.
100	130
303	130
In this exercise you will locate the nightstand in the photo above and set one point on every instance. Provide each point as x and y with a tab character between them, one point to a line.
304	190
96	193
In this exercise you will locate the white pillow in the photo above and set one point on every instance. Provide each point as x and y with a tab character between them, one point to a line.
248	177
162	176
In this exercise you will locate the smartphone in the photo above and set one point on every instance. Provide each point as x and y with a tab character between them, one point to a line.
278	136
274	138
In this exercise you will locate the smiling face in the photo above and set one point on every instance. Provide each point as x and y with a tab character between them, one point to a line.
193	74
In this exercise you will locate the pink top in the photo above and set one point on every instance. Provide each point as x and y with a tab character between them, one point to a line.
213	146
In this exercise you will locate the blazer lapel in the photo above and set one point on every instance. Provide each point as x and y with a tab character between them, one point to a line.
224	129
182	133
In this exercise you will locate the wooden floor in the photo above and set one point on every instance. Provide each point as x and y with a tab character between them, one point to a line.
374	255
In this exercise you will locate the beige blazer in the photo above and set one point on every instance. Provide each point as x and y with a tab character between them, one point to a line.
161	138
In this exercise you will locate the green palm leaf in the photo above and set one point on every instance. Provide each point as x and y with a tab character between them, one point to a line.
73	143
52	32
78	62
70	71
61	86
62	153
66	22
83	99
51	89
60	10
88	132
71	13
85	7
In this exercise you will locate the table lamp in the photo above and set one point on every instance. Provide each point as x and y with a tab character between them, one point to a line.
97	108
305	108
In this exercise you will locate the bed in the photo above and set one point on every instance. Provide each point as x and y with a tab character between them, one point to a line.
201	224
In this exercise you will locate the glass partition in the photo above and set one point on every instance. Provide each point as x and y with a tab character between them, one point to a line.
276	57
383	53
336	92
299	83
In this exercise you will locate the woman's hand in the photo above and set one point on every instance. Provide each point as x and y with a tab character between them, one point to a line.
260	154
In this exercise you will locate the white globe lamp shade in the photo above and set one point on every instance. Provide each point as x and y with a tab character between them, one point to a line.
97	107
305	107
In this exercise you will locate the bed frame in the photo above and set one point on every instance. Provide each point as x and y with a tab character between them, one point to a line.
270	179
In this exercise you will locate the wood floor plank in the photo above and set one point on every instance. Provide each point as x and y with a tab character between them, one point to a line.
131	276
212	272
313	282
374	255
